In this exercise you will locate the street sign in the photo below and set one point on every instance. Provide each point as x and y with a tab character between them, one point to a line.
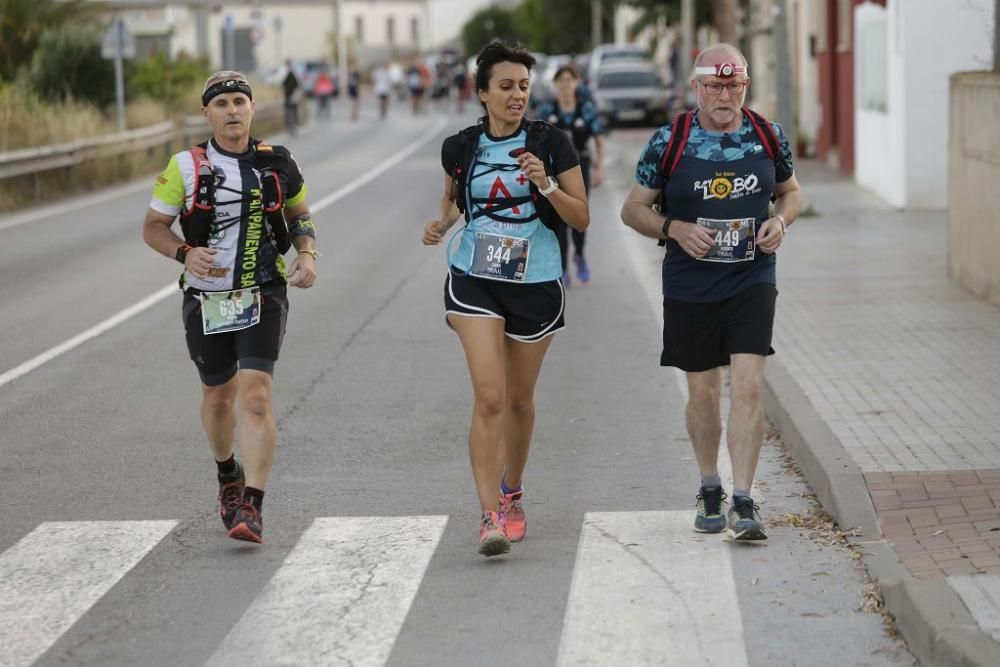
118	41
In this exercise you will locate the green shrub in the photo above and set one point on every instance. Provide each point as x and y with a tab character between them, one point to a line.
68	65
167	81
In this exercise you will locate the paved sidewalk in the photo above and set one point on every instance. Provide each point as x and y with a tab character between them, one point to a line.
886	386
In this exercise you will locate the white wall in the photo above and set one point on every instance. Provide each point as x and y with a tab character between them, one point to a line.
901	154
806	68
306	27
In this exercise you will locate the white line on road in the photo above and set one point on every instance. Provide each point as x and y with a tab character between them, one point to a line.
75	204
647	591
341	596
52	576
164	292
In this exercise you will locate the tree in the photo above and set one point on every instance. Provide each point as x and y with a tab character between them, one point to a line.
22	23
489	24
533	24
724	18
68	64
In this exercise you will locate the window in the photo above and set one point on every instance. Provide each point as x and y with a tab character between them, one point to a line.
415	30
359	29
390	30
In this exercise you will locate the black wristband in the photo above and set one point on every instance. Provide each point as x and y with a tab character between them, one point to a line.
665	229
182	253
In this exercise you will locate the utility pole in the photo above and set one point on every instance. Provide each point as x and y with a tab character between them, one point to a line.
595	24
342	73
786	113
687	43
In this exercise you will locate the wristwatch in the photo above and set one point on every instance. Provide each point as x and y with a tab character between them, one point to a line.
182	253
553	186
665	229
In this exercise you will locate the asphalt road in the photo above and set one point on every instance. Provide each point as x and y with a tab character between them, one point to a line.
111	551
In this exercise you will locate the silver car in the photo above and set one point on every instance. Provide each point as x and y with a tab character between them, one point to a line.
630	92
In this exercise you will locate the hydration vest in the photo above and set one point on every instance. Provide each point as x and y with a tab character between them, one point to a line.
538	143
579	130
196	222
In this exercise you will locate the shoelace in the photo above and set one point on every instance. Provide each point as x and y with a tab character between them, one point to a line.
712	505
513	508
746	510
231	496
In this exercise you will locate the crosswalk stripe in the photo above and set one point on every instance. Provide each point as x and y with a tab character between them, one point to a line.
340	597
54	574
648	591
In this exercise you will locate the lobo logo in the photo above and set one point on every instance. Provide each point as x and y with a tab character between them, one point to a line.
724	186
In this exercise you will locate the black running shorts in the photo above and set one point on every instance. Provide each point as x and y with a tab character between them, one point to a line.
701	336
219	356
530	311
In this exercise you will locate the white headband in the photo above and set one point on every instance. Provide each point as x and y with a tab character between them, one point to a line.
724	70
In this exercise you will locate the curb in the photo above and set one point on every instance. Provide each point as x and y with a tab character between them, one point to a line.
936	624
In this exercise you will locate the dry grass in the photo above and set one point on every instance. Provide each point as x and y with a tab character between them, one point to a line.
26	122
819	526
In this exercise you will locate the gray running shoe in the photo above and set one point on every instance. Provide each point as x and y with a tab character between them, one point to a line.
744	521
711	515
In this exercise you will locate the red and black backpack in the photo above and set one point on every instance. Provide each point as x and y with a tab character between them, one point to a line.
681	130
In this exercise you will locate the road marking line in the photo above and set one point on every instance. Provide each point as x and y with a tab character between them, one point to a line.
53	575
341	596
164	292
648	591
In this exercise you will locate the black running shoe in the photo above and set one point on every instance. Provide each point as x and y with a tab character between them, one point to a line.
247	525
744	521
230	495
711	517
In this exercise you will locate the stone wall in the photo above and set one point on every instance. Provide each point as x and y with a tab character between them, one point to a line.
974	183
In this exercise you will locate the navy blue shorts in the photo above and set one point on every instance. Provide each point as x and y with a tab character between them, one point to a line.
701	336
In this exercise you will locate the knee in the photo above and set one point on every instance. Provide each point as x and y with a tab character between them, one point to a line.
256	403
218	404
747	392
521	406
489	402
704	396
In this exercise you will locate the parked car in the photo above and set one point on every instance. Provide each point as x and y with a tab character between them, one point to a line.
630	92
606	54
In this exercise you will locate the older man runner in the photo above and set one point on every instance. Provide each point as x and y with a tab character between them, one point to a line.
714	173
242	204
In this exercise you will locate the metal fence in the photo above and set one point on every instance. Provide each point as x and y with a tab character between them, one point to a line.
165	138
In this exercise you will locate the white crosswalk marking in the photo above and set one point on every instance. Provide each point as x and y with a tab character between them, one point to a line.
648	591
52	576
340	597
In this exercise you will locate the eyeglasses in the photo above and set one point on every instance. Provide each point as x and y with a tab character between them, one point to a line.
733	88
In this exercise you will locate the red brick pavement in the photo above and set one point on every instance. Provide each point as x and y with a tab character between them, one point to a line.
940	523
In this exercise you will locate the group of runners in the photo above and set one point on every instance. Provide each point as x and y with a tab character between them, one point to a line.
704	188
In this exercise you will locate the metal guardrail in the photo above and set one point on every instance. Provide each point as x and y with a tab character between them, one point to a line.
34	161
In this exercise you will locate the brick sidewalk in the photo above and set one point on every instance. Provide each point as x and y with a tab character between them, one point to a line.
903	365
941	523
